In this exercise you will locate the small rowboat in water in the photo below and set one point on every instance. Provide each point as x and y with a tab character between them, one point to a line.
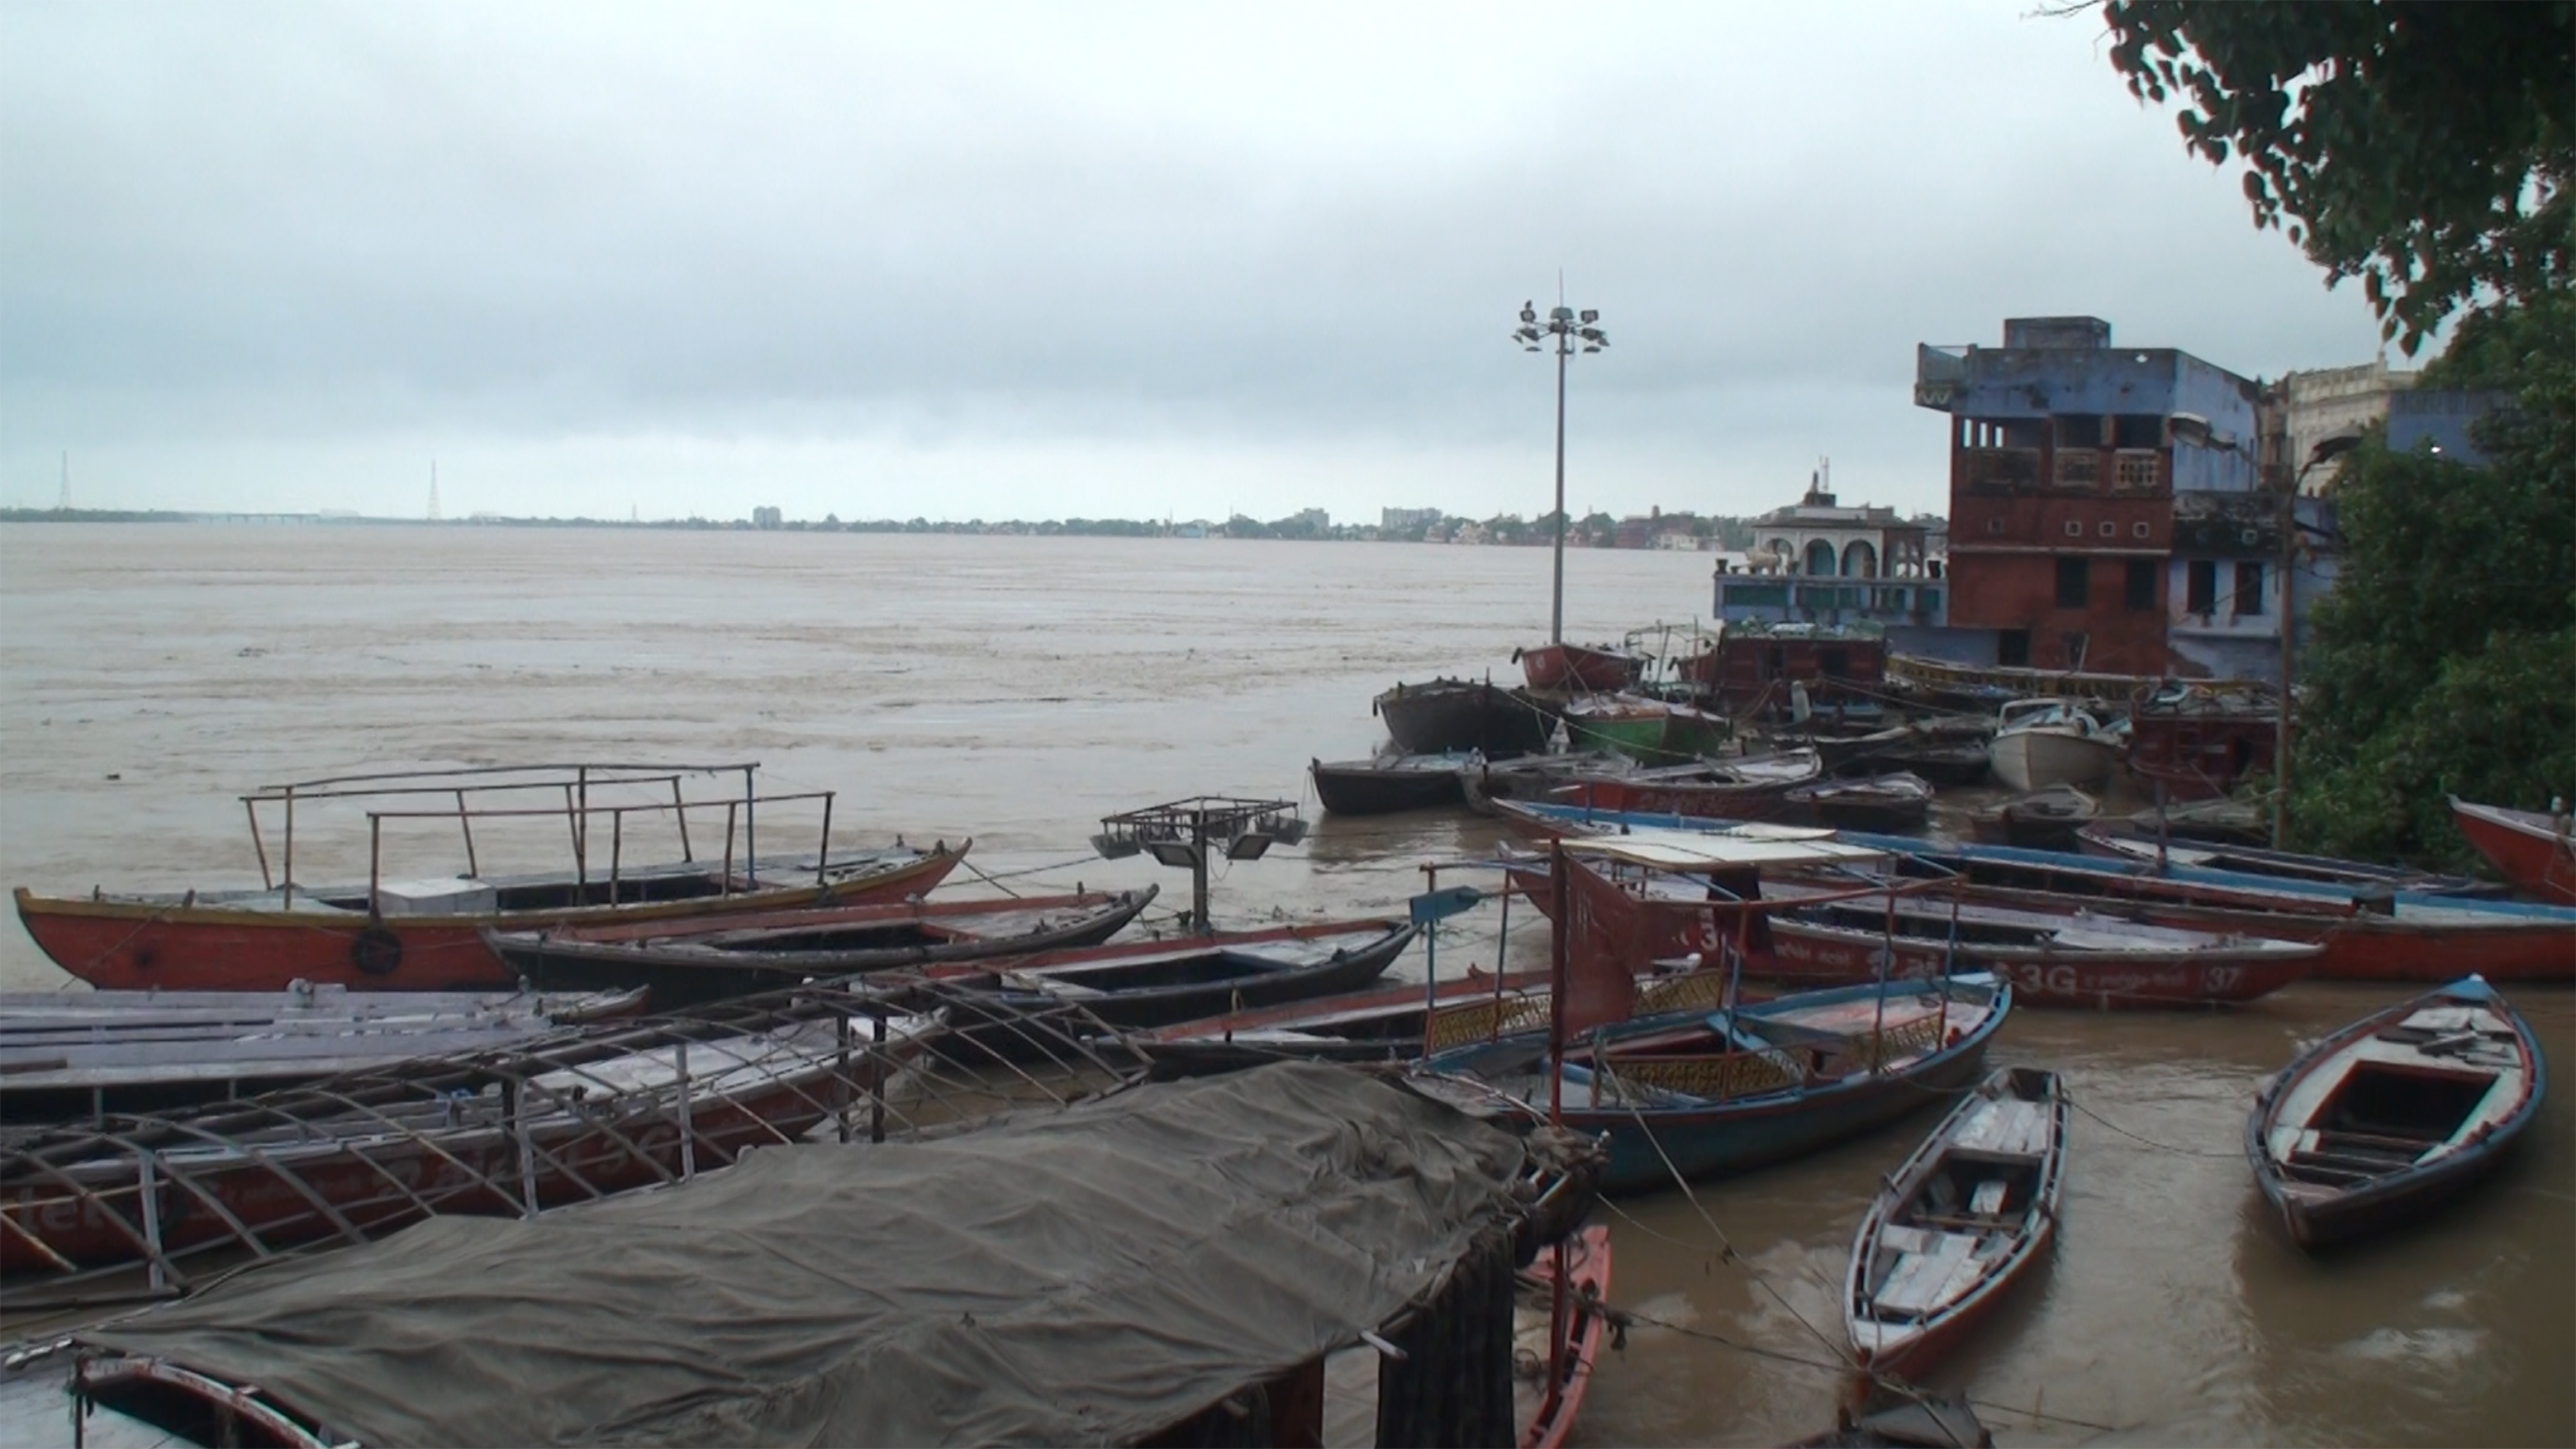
713	958
1897	802
1391	783
2396	1113
1973	1209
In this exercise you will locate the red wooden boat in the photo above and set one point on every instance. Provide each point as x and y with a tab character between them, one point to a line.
245	942
1577	668
2535	851
2375	936
388	933
1807	935
2412	941
1569	1342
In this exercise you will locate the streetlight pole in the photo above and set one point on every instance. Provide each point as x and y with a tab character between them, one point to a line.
2325	451
1570	329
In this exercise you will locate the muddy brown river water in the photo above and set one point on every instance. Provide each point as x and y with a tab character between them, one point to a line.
1016	689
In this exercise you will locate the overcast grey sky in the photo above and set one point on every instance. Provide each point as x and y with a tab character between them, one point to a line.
1038	261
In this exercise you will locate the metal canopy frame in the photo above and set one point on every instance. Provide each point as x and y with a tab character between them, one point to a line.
152	1205
573	782
1179	833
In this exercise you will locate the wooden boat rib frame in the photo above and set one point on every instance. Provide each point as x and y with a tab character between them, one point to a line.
870	1081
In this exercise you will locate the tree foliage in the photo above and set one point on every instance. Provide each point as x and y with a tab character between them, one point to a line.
2425	148
2445	657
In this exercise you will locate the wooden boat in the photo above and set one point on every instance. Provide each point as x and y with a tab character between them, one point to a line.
1904	1418
2044	742
1386	1025
1751	670
1209	1310
1944	759
1847	751
2223	821
2199	741
2127	841
1624	724
1577	669
72	1054
1387	784
1700	1093
308	1164
389	933
1184	978
1453	716
2367	935
1751	787
2395	1114
1544	1409
1969	1214
2043	820
2534	850
1810	934
1535	777
2052	958
1972	686
741	953
1881	802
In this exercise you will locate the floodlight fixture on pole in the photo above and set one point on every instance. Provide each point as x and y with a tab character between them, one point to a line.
1572	330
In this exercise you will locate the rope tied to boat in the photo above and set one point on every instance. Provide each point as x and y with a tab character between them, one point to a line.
2078	1105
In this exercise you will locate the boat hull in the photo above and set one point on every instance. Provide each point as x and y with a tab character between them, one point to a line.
1806	956
1587	1278
1909	1349
1725	1138
2317	1215
999	1025
2421	939
2523	847
1453	716
1360	788
2034	759
1574	669
677	976
128	945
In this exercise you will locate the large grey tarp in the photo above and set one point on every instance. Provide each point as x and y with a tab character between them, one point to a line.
1086	1277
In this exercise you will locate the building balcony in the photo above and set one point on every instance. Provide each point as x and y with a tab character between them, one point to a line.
1998	470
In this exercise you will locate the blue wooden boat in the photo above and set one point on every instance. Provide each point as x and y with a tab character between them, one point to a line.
1705	1094
2395	1114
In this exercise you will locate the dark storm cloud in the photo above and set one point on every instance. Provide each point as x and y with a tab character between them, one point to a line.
987	225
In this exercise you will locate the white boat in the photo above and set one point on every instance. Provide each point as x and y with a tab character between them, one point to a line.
2044	742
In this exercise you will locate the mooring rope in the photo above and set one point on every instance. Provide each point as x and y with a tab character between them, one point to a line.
2072	1101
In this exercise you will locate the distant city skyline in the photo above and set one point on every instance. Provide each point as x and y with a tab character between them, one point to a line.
1017	260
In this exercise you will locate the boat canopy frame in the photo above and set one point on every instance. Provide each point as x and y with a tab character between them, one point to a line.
573	780
918	1080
